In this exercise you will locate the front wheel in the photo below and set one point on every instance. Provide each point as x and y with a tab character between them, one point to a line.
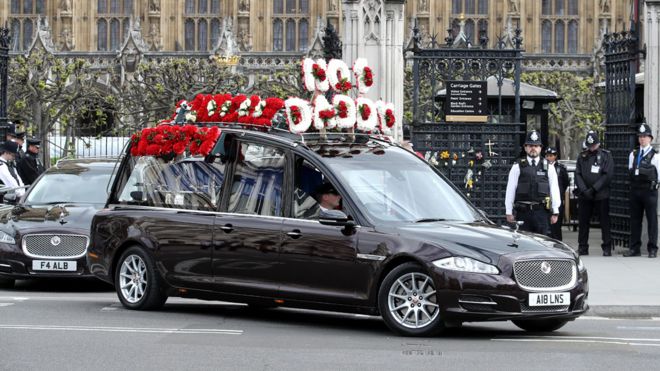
138	284
540	325
408	302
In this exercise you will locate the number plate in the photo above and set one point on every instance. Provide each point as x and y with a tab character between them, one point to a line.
543	299
54	265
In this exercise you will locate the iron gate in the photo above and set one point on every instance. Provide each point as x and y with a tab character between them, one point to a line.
476	157
621	58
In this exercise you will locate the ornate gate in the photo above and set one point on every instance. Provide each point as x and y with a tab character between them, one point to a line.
621	58
476	157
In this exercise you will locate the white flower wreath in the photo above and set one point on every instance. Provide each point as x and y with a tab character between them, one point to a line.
358	71
308	74
211	106
324	85
382	108
337	71
370	122
321	104
259	109
244	108
224	109
305	115
348	121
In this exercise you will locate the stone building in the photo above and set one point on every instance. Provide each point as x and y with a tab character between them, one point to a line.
557	33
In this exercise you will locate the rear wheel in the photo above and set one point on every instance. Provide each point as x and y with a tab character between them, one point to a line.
7	283
408	302
540	325
138	284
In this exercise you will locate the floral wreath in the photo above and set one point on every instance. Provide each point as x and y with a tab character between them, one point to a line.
314	75
167	141
367	115
324	114
298	115
363	75
386	118
339	76
345	108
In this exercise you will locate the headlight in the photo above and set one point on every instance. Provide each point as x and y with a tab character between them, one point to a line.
5	238
463	264
581	267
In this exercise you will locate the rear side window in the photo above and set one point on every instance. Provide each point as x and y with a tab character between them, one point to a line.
258	180
188	183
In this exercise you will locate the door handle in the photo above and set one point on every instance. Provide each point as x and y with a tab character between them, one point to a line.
295	234
227	228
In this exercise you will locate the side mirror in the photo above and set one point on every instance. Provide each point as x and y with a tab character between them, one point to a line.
11	198
137	196
336	218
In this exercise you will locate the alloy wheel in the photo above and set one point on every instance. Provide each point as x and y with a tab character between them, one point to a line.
413	301
133	278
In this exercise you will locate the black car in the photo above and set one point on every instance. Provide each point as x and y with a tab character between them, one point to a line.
248	223
46	234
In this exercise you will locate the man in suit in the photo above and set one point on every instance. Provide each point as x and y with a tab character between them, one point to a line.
327	197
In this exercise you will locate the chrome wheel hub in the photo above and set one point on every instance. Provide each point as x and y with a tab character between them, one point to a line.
412	300
133	278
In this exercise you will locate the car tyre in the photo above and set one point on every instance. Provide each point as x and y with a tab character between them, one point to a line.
138	284
7	283
408	302
540	325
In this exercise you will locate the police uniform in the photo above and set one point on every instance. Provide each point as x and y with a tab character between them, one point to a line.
532	191
563	181
644	168
30	166
20	136
8	174
594	170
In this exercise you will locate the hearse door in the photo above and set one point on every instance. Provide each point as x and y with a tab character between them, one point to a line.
247	234
317	262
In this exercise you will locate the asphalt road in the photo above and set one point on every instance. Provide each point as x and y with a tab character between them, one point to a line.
73	325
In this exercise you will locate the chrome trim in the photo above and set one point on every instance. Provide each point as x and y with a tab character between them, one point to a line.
370	257
5	265
28	254
568	286
476	302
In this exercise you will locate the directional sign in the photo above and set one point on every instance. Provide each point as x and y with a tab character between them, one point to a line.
466	101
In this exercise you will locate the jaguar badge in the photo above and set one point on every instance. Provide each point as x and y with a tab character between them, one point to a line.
55	240
546	268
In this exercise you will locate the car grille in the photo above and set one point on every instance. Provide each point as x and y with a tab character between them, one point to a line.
553	308
545	274
41	245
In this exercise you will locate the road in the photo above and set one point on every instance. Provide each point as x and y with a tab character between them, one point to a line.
73	325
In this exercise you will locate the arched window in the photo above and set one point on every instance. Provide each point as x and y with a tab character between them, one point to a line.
190	34
290	35
27	34
573	37
469	30
16	35
198	18
559	37
114	34
546	37
546	7
277	35
303	30
203	35
278	7
102	31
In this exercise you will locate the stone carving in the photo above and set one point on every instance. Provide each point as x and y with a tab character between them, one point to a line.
65	6
513	6
332	6
153	37
423	6
154	6
244	41
604	6
66	39
244	6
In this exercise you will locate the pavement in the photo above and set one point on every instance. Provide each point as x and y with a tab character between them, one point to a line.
619	286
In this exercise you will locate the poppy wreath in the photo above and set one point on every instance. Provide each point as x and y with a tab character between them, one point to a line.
298	115
339	76
386	119
315	75
324	114
166	141
367	115
346	111
363	75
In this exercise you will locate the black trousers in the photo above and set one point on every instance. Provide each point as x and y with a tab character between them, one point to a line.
643	201
585	211
555	229
537	221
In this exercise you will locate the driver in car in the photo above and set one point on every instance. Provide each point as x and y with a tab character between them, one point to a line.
328	197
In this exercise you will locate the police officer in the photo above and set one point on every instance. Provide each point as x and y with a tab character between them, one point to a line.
594	170
8	175
20	140
30	166
644	168
563	181
532	190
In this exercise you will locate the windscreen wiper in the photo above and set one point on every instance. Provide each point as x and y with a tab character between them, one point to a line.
428	220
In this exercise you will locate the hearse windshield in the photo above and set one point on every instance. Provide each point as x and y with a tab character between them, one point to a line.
393	186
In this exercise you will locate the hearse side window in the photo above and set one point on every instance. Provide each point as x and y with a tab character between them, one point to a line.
258	181
187	183
307	179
